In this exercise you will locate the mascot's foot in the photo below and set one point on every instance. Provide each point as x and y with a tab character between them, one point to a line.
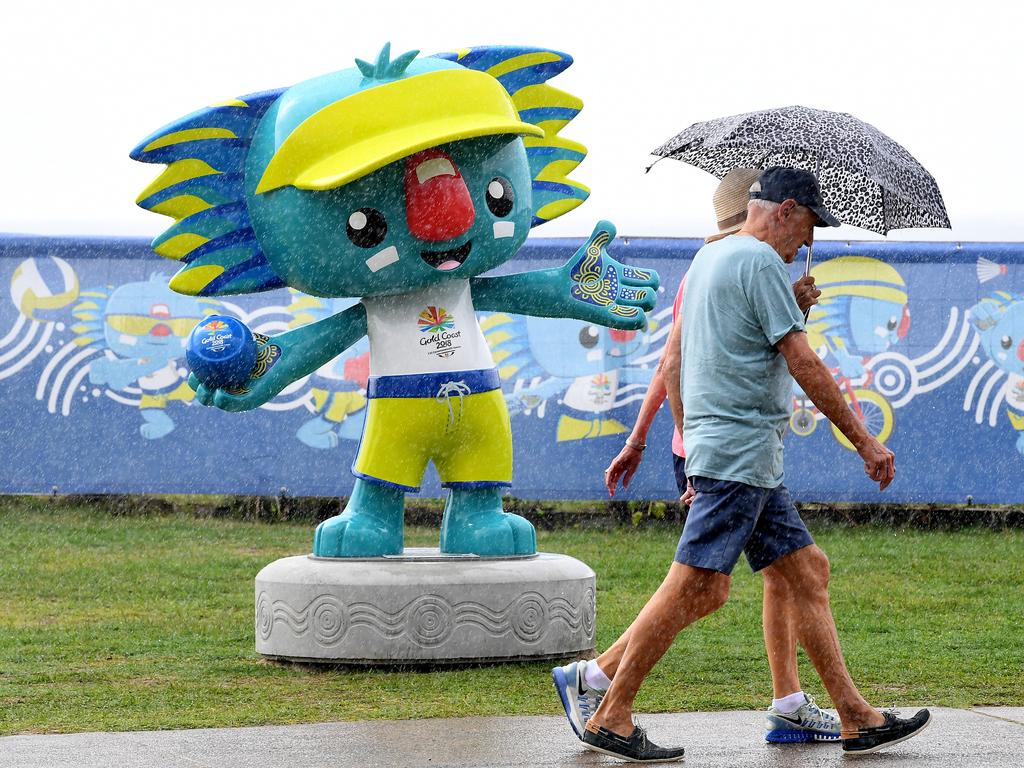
318	433
158	424
488	534
357	535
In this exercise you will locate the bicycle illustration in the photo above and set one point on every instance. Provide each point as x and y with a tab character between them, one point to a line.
870	407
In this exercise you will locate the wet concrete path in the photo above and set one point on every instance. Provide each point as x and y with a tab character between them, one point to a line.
983	737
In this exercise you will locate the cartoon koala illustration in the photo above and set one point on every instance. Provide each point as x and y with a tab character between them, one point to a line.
142	328
999	320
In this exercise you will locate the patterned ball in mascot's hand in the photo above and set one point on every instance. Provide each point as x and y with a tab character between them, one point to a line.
221	352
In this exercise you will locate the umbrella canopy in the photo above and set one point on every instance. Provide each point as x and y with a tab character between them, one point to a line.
867	179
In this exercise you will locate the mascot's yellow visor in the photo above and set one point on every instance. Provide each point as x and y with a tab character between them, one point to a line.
357	135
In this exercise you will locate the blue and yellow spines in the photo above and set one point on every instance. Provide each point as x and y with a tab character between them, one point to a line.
202	189
89	316
828	320
507	337
524	72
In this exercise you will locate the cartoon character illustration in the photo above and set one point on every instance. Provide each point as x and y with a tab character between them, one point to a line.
399	182
141	328
999	320
592	369
338	389
863	311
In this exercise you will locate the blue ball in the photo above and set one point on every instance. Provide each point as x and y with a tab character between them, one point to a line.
221	352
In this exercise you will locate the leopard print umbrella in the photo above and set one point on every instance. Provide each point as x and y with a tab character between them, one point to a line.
867	179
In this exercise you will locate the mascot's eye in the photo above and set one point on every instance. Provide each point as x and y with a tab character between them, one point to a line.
589	337
367	227
892	324
500	197
1006	342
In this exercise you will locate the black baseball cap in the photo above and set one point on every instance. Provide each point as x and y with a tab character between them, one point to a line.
777	184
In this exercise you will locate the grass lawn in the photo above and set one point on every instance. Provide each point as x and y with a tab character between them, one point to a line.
115	623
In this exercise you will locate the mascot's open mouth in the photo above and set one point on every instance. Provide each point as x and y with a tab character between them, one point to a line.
447	260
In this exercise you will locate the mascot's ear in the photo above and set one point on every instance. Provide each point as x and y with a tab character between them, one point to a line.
202	190
524	73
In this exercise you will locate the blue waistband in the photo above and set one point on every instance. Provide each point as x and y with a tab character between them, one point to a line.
434	384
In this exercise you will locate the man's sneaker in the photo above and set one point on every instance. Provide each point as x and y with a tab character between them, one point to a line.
895	729
578	700
808	723
634	748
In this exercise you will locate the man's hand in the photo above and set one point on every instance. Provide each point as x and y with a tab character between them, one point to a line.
688	495
805	292
879	462
624	465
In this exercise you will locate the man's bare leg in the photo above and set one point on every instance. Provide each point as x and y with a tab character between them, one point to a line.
777	617
779	639
686	594
807	572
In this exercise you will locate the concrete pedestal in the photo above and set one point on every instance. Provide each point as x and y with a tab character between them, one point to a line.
424	608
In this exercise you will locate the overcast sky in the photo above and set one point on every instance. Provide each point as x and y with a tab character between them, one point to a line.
84	82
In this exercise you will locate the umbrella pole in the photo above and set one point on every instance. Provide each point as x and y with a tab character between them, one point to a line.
810	248
807	271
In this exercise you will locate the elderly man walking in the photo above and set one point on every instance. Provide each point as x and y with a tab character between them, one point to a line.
793	717
742	336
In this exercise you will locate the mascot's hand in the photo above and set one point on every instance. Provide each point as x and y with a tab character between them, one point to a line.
850	366
614	295
260	388
116	374
100	371
530	398
521	402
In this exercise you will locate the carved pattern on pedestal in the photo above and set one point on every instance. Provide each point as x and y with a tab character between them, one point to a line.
428	620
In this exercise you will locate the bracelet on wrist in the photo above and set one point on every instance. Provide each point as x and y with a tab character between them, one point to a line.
636	446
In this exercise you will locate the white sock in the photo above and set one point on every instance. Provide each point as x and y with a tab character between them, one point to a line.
787	705
595	677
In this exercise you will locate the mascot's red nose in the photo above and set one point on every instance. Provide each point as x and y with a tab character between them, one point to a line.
437	203
1020	351
621	336
160	330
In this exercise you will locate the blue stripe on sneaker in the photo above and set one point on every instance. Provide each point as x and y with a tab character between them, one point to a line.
787	736
560	685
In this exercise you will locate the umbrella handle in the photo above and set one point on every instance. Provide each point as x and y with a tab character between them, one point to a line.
810	248
807	271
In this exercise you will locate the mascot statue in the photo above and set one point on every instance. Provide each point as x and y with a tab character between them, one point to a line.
399	183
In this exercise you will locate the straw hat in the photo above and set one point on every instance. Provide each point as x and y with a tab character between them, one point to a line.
731	198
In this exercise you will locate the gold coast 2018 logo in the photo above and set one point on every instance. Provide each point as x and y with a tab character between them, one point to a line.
438	323
435	319
217	335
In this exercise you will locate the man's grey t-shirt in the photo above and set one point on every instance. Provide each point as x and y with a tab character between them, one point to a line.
736	387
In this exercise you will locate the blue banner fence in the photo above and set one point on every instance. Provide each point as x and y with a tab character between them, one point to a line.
925	339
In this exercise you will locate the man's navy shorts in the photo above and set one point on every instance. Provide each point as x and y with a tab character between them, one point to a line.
728	517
